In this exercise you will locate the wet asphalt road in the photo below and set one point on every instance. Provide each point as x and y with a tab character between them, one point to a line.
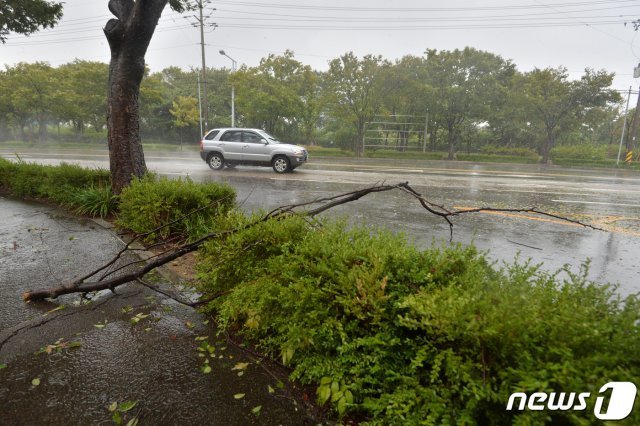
606	198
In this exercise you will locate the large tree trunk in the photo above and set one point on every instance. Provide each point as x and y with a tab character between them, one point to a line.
546	148
452	144
128	37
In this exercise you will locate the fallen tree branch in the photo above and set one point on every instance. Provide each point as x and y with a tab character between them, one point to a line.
81	285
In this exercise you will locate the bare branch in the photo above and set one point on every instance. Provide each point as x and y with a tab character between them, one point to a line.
302	209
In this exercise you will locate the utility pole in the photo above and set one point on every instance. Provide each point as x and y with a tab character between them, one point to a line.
201	22
633	132
624	125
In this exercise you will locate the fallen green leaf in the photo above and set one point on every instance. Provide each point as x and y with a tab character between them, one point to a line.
256	410
113	406
3	366
36	381
127	405
239	396
240	366
59	308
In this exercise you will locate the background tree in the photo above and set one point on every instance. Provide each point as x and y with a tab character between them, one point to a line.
185	113
558	105
404	100
352	92
464	84
269	95
82	100
32	95
27	16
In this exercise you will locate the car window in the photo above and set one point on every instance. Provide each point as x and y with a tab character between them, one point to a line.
212	135
251	137
270	138
232	136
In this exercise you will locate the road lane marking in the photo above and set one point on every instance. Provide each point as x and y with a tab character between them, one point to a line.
596	202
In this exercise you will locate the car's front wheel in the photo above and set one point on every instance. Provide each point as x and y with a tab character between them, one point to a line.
281	164
215	160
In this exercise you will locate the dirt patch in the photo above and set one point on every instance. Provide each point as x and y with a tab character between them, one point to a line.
184	267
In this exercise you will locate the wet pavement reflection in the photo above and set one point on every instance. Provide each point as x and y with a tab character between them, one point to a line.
66	363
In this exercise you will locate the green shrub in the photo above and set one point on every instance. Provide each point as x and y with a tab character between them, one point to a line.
57	183
581	152
527	153
395	335
150	202
96	201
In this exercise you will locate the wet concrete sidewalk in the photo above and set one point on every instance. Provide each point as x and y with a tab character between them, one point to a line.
67	363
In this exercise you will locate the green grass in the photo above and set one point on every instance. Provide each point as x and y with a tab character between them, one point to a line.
81	146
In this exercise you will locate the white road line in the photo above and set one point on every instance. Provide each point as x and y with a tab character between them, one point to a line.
596	202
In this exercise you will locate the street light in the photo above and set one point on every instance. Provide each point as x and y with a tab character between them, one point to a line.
233	94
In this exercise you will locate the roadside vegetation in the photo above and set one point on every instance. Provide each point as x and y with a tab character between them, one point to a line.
466	104
147	204
391	334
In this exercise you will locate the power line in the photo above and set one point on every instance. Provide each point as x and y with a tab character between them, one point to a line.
413	15
201	22
439	19
419	9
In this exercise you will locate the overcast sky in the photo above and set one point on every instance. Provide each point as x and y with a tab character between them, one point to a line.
532	33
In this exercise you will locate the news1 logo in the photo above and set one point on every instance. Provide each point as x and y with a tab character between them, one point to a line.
623	396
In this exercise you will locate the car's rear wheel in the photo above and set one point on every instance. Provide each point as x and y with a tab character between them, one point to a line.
215	160
281	164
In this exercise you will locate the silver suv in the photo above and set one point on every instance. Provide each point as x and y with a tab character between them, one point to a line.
232	146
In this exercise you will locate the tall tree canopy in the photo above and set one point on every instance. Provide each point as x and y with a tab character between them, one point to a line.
555	103
464	84
27	16
353	91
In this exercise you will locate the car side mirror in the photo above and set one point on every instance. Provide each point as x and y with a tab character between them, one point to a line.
264	141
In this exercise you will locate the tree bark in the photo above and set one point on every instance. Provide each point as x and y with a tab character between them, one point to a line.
546	148
452	144
128	36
